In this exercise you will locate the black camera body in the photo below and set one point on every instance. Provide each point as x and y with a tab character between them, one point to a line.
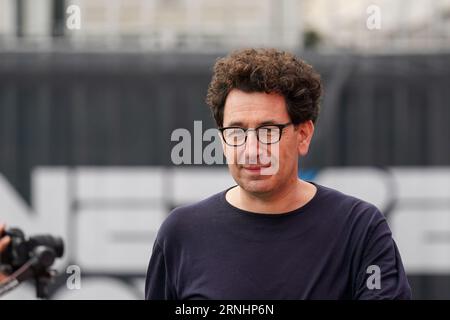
21	249
26	258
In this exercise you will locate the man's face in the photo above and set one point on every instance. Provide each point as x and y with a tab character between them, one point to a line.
248	163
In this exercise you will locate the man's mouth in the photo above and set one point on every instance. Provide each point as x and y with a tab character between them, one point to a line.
255	168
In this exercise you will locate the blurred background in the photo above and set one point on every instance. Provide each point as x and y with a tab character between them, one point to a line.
91	91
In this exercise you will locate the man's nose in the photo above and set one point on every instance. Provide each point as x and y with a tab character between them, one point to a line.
252	148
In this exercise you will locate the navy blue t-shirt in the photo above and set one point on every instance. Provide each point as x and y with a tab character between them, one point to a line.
333	247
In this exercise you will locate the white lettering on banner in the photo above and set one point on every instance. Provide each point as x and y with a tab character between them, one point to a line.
421	220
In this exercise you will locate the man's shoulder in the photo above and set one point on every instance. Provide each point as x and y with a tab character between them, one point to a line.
350	214
197	208
349	205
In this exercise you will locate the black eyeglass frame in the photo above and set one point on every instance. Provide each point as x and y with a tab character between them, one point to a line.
280	126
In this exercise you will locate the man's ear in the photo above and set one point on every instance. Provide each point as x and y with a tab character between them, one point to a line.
305	131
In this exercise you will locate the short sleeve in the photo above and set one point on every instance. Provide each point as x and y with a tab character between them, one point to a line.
157	283
381	258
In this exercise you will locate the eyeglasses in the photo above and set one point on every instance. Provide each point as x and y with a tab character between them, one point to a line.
266	134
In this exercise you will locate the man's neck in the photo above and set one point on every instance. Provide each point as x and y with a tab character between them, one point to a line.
292	196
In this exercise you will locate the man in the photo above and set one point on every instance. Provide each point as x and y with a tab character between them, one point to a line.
273	235
4	242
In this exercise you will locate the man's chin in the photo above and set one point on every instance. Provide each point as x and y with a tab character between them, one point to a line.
257	186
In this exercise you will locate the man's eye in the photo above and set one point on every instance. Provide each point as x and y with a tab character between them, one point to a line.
266	131
234	132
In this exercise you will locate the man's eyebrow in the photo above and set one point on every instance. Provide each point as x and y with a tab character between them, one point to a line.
267	122
234	124
241	124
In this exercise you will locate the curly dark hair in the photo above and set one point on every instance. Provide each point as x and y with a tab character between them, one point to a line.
270	71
